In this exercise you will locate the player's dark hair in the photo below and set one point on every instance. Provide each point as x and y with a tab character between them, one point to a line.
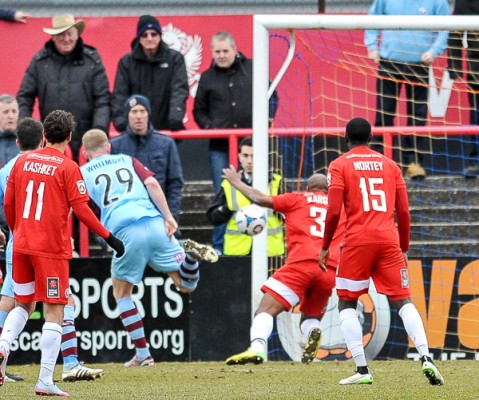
247	141
58	125
358	131
29	134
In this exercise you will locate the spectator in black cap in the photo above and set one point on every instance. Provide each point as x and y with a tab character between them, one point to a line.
154	70
153	149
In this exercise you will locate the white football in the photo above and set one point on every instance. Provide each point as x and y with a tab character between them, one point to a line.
251	219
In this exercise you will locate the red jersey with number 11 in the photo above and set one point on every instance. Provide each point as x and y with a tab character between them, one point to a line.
42	186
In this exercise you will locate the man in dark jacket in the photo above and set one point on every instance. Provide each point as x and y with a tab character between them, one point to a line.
155	71
224	99
154	150
456	71
68	75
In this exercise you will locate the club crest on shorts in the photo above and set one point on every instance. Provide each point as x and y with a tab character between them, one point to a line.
53	288
404	278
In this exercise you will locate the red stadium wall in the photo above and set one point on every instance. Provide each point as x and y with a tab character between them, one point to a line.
191	35
112	37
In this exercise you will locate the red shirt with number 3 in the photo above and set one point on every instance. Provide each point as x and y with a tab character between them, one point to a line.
305	217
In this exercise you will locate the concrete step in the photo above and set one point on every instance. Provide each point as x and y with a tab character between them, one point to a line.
431	197
194	218
443	182
443	210
454	230
444	213
444	248
198	187
196	202
198	233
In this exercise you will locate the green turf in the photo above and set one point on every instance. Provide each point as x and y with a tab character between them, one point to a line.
399	380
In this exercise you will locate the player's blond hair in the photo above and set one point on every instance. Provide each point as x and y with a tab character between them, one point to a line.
94	139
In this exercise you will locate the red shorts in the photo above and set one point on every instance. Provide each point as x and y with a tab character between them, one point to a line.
384	263
40	279
304	282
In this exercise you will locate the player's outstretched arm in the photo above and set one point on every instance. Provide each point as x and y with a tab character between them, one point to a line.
256	196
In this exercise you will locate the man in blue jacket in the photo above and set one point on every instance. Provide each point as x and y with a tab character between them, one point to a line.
404	57
156	151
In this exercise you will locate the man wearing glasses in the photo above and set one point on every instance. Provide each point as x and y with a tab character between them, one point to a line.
155	71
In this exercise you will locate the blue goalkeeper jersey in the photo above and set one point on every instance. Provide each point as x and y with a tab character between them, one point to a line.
114	185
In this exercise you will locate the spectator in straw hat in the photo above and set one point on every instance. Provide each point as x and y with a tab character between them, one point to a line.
69	75
155	71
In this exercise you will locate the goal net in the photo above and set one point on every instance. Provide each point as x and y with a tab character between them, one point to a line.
323	79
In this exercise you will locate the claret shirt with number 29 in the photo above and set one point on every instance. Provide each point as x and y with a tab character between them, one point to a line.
43	185
372	188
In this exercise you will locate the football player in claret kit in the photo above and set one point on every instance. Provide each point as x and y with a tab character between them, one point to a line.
300	279
134	207
42	188
372	189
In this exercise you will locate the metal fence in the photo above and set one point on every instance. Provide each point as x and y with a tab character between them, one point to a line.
44	8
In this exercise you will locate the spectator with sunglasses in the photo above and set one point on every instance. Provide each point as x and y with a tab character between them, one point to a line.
155	71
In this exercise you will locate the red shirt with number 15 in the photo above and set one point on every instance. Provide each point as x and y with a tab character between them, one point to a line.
372	186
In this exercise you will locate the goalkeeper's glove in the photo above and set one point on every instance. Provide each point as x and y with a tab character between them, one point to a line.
116	244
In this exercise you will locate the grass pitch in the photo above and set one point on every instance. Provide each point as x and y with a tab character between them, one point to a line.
401	380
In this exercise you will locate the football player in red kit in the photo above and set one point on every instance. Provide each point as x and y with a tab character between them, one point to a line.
372	190
42	188
300	280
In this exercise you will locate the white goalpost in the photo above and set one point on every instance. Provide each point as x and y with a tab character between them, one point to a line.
262	24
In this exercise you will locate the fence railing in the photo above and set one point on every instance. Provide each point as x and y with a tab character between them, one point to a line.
235	135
